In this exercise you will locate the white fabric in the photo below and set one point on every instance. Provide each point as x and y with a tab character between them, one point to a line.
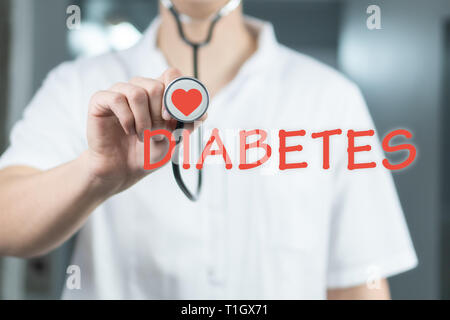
259	233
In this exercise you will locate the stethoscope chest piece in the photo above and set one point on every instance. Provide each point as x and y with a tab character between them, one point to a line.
186	99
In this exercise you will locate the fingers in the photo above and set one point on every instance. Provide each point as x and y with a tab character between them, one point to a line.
169	75
155	92
107	103
204	117
139	105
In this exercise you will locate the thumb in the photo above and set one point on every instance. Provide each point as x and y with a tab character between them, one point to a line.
167	77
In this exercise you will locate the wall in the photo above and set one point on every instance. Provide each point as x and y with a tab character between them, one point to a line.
445	237
399	69
4	63
38	33
311	27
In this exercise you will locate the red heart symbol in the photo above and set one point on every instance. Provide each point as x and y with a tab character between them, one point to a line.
186	101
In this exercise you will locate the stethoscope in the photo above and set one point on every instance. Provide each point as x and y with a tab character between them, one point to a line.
186	83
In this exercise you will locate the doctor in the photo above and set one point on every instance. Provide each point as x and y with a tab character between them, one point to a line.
75	165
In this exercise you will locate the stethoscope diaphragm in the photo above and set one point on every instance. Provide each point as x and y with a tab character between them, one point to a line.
186	99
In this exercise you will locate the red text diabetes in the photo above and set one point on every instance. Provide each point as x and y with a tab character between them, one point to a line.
323	137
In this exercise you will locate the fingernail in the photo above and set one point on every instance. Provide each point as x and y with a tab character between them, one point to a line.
165	115
158	138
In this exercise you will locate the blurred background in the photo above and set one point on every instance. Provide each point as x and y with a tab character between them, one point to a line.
403	70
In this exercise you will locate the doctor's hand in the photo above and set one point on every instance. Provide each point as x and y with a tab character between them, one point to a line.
117	120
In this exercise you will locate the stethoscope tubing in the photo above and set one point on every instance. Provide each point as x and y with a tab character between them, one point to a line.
230	6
